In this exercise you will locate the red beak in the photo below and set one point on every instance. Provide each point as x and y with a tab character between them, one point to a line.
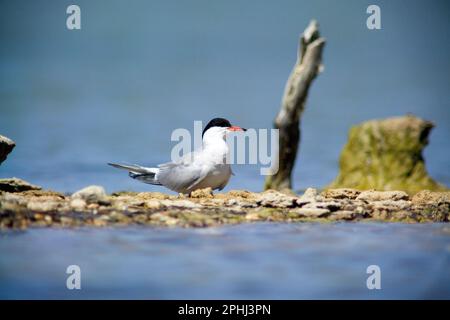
236	128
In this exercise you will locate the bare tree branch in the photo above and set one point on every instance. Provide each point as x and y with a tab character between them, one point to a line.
307	67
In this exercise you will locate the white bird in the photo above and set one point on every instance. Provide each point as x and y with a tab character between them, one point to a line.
200	169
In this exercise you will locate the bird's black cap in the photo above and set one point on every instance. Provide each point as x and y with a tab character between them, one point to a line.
217	122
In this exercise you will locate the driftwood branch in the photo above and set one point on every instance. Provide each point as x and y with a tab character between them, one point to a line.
307	67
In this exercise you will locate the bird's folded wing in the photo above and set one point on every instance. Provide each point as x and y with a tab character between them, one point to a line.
200	177
179	176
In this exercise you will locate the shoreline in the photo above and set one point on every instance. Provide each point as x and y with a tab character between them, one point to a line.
91	206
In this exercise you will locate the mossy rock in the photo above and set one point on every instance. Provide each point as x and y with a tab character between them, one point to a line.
387	155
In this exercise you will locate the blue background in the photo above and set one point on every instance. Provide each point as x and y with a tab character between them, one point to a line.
115	90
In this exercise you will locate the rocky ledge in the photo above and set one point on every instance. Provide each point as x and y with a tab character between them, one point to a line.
93	207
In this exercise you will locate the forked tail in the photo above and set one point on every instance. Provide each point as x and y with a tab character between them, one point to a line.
143	174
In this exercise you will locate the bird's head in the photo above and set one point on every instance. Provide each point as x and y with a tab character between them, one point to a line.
218	128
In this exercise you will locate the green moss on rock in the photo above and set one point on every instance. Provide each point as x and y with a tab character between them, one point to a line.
386	155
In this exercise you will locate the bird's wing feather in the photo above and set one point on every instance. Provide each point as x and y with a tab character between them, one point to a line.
179	177
202	175
182	175
133	168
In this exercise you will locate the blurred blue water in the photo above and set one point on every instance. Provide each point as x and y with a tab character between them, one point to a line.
251	261
115	90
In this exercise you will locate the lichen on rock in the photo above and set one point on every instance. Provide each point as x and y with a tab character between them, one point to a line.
386	155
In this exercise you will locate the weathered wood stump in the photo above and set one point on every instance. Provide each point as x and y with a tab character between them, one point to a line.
307	67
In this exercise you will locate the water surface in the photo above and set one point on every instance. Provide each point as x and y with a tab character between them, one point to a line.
248	261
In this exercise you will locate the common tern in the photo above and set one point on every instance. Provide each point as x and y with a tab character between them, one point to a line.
203	168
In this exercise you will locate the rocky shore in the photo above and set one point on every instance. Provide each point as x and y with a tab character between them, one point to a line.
24	205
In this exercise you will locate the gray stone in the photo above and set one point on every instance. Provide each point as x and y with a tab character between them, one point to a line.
275	199
425	197
42	206
341	193
180	204
309	196
330	205
6	146
312	212
12	202
343	215
382	195
92	194
16	185
391	205
78	204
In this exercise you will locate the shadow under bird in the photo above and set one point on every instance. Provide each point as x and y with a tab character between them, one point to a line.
203	168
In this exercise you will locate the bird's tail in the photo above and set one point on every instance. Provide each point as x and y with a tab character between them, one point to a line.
143	174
